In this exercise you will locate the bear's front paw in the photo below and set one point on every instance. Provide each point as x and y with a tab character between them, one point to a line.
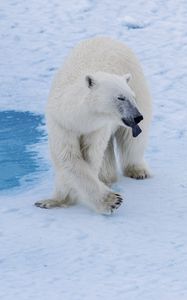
110	202
50	203
45	203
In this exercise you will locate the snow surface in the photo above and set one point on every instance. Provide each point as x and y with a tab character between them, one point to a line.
141	251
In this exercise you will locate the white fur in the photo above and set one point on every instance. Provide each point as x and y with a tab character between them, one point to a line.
82	123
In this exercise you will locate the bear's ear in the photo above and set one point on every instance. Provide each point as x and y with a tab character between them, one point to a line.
127	77
90	81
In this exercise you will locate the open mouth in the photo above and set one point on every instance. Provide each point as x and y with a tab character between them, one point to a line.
136	130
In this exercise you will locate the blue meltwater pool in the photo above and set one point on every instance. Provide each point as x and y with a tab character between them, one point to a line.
18	132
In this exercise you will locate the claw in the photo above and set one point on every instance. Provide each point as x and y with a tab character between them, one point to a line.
118	203
41	205
118	195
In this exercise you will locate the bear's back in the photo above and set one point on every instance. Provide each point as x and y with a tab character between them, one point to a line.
97	54
102	54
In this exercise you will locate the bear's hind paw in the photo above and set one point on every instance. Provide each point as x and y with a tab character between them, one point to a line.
137	172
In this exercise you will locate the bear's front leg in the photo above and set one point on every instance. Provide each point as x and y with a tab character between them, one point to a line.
56	201
98	150
63	195
76	173
89	189
51	203
110	202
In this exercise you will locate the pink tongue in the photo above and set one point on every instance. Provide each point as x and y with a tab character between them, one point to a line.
136	130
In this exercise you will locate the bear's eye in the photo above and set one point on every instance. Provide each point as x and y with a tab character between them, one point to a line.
121	98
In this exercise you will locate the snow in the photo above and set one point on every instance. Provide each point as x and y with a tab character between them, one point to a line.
141	251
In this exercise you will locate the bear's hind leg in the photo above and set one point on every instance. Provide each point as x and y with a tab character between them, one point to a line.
131	153
137	171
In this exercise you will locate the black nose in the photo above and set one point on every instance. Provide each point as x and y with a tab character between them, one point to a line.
138	119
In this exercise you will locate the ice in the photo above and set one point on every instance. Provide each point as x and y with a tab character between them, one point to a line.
132	23
141	251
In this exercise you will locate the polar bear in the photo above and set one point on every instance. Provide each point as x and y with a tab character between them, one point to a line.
99	96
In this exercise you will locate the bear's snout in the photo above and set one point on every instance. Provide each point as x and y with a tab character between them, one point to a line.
133	121
138	119
136	130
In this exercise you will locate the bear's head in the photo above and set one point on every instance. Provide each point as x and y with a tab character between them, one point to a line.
110	96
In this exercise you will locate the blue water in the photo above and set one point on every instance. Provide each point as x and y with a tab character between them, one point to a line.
18	130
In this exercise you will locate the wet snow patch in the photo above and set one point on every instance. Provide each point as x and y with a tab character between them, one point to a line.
19	131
